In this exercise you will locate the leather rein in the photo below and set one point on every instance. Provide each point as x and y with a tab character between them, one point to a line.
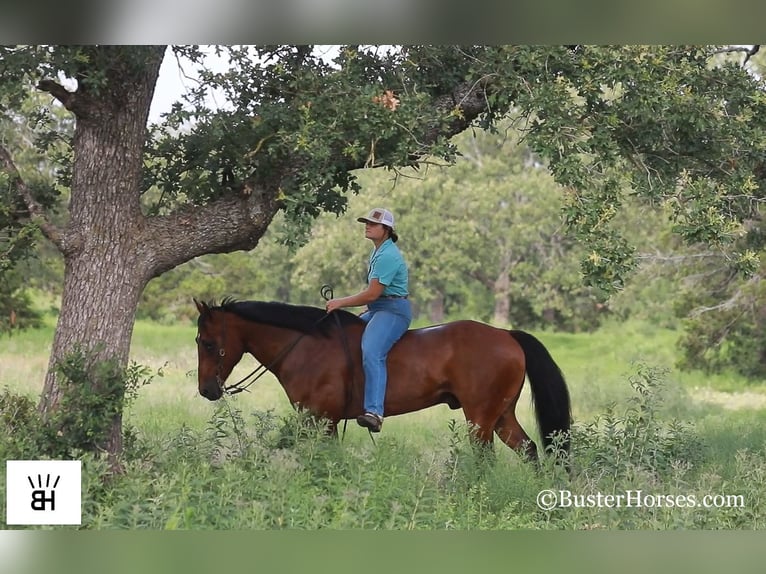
242	385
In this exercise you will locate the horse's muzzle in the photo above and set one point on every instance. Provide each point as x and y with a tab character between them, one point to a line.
211	393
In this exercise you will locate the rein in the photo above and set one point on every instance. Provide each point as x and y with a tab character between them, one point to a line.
242	385
260	370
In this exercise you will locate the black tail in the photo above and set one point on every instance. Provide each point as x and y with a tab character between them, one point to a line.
549	390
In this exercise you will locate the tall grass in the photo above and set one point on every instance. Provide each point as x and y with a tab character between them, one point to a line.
252	462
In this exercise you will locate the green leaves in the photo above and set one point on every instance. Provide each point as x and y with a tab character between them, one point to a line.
297	124
678	127
673	122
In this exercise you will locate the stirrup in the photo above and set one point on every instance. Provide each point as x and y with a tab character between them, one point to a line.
370	421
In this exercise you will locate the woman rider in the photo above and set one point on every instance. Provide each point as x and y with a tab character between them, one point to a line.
388	313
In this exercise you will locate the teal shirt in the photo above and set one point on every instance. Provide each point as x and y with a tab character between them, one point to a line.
388	267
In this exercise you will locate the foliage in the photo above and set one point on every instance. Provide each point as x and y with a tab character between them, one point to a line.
483	239
681	127
662	119
660	467
635	441
724	322
678	125
249	463
92	395
300	122
211	179
18	236
492	223
16	308
493	219
19	424
239	473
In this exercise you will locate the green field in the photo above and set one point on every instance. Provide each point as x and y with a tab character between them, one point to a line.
196	464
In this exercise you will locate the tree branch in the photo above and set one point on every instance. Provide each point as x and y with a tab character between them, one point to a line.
36	212
736	300
749	52
482	278
233	222
68	99
470	99
675	259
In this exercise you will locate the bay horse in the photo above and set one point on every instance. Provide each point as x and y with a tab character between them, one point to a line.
316	357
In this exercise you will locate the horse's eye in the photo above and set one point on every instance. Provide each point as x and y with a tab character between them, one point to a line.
207	345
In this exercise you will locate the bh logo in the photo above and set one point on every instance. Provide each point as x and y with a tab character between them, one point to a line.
43	492
41	497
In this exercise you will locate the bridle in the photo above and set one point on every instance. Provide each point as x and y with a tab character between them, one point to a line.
242	385
258	372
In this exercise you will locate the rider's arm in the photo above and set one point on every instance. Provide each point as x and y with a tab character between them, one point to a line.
373	291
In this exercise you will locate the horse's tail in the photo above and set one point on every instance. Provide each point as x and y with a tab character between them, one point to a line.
549	390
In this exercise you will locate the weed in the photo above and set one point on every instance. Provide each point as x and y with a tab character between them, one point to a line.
223	466
635	440
92	395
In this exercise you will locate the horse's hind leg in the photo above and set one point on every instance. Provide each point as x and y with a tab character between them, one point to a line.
510	432
480	436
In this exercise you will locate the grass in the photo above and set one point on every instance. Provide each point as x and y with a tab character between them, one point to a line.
595	364
639	424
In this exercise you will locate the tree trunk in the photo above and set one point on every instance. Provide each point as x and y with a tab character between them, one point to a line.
502	289
99	301
111	249
436	309
106	267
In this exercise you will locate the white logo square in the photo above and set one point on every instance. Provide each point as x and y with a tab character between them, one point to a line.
43	492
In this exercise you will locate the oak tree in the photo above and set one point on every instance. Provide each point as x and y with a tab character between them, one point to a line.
681	126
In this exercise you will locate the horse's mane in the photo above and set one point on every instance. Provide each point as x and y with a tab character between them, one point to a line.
300	318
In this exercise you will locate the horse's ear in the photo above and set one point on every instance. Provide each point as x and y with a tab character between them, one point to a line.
201	306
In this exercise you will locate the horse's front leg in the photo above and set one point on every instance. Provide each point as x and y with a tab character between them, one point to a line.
328	425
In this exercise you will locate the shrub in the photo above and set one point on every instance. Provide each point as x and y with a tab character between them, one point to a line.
19	426
91	397
617	445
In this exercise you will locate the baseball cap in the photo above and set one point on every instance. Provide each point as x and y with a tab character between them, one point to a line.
379	215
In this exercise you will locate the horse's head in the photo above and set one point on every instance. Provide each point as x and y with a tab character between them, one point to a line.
218	350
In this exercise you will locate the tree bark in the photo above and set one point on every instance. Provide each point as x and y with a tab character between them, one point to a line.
111	249
436	309
105	265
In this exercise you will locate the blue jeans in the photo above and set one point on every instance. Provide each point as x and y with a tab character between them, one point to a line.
387	320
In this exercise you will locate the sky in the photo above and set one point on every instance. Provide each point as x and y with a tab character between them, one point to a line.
175	78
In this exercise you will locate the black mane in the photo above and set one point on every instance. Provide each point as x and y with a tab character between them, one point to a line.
300	318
